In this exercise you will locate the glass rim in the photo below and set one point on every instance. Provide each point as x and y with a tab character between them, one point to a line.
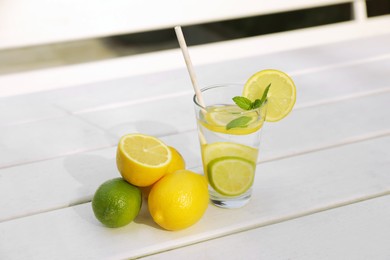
221	85
214	86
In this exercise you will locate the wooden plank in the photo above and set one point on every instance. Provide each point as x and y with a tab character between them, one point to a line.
42	140
357	231
24	109
283	190
24	23
35	81
319	127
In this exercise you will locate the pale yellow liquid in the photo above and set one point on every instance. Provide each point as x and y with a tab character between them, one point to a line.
218	142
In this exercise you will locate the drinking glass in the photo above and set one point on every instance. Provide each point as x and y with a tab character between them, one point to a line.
230	139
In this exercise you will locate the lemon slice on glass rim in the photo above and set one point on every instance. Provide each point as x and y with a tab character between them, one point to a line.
281	95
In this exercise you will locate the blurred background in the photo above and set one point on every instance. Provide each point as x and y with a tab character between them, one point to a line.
14	60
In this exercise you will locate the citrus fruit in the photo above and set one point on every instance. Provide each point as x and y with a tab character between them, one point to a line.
116	203
218	149
231	176
177	162
178	200
217	118
142	159
281	95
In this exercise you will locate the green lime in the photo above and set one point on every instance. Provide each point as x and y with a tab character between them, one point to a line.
231	176
116	203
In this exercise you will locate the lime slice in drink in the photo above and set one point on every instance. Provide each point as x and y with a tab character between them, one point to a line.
281	95
217	117
224	149
231	176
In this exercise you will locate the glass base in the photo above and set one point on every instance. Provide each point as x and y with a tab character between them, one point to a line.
228	202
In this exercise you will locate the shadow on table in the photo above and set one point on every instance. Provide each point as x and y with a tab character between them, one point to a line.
90	171
144	217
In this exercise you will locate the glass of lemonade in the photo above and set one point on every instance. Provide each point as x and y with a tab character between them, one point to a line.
230	139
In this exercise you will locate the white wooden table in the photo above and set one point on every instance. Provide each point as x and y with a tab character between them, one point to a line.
322	188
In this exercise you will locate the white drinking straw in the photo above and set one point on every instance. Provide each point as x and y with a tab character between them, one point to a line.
186	55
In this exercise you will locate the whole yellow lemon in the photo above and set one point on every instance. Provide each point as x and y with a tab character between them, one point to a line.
178	200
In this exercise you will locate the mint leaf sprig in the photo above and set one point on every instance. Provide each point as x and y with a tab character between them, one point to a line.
246	104
241	121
